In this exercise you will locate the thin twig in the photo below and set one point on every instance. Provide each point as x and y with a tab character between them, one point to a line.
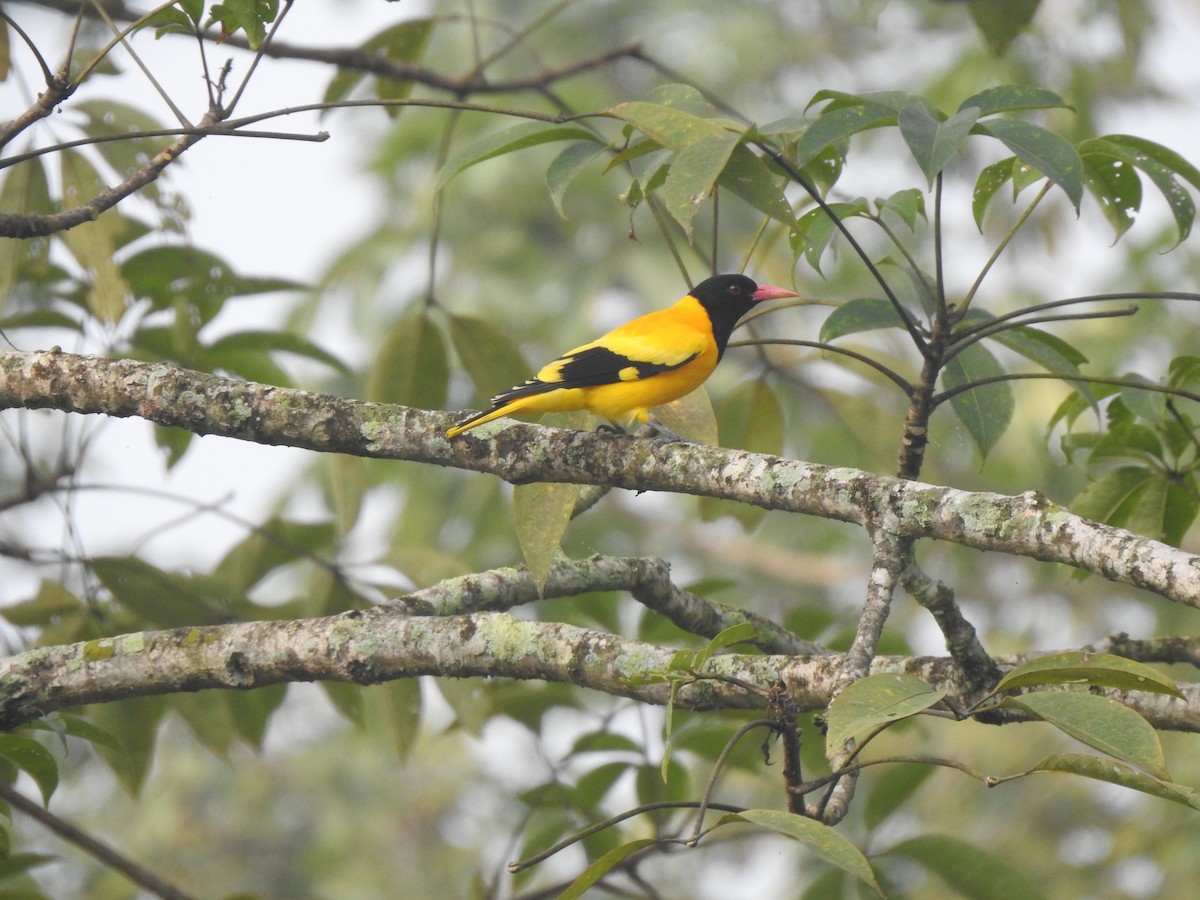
102	852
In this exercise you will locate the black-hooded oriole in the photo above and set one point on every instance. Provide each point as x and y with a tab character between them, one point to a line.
652	360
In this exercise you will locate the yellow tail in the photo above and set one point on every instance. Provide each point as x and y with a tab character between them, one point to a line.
477	419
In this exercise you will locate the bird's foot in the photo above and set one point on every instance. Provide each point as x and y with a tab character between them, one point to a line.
609	428
665	434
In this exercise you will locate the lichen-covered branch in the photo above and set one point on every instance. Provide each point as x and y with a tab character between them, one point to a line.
383	643
649	580
1027	525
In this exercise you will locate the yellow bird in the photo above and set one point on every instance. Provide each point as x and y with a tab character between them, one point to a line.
652	360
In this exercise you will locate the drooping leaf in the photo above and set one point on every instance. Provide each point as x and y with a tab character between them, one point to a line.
987	185
25	191
1162	165
970	870
1043	150
1101	723
876	700
250	16
1112	178
908	204
160	598
566	167
134	722
935	142
601	867
815	230
751	419
542	512
1112	497
985	411
95	243
1082	667
690	416
411	367
821	839
1001	23
509	140
32	758
747	175
891	791
236	352
694	171
1112	772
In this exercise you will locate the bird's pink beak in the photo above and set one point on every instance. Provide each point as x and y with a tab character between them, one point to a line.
770	292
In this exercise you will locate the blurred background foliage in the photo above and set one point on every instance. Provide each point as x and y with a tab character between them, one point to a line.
440	301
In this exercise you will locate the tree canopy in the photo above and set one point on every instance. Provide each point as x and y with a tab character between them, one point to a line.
931	539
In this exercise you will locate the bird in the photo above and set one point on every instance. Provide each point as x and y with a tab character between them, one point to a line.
649	361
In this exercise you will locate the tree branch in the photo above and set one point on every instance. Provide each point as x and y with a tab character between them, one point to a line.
1026	525
383	643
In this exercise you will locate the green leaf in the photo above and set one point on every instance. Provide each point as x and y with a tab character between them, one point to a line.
908	204
32	758
259	343
163	599
749	178
402	43
862	314
52	600
25	191
490	357
411	367
672	127
1000	23
934	142
108	117
822	840
751	419
815	230
891	792
742	633
985	411
518	137
1111	497
542	512
970	870
601	867
1043	150
694	171
94	244
837	124
1115	773
1109	173
277	542
135	724
876	700
171	20
1050	352
250	16
1082	667
566	167
691	416
1012	97
1179	201
987	185
1164	156
1099	722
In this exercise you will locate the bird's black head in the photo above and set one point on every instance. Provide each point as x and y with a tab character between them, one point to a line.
726	298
